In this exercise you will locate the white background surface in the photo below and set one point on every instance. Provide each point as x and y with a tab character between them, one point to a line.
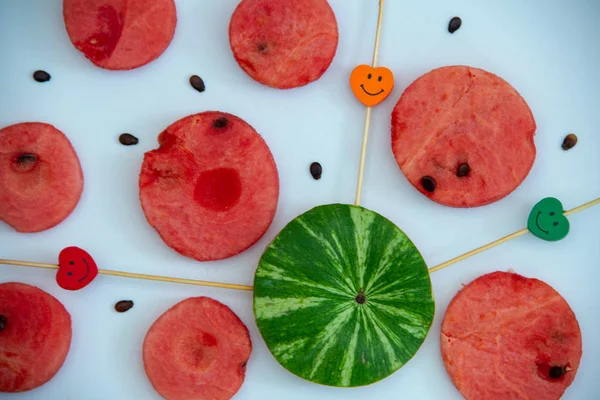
548	50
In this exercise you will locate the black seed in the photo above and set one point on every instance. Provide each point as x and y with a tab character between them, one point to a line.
262	48
556	372
316	170
463	170
197	83
454	24
552	213
70	273
41	76
71	262
428	183
128	139
220	122
123	305
2	322
26	159
569	142
380	78
555	224
369	76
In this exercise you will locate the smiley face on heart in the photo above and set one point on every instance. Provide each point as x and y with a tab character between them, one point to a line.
77	269
547	221
371	85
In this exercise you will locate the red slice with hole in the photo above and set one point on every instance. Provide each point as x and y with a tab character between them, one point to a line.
41	180
211	189
460	115
197	350
120	34
35	337
503	333
281	43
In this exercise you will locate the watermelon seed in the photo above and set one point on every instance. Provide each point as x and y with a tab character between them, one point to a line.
220	122
197	83
41	76
262	48
123	305
556	372
454	24
316	170
128	139
361	298
26	159
2	322
569	142
428	183
463	170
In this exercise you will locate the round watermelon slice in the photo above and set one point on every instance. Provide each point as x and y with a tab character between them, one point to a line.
342	297
41	180
35	337
505	337
211	189
283	44
197	350
120	34
463	136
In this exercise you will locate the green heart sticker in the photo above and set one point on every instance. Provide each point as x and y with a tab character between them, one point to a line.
547	221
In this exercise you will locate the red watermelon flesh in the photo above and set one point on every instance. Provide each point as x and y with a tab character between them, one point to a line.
40	176
120	34
460	115
211	189
35	338
283	44
197	350
503	333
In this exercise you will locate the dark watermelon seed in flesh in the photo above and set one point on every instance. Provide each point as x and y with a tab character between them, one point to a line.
428	183
24	162
220	122
463	170
2	322
26	159
556	372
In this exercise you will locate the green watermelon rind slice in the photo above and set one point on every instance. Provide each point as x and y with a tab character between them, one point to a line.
307	296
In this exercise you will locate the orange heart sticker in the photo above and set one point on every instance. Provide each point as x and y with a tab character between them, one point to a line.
371	85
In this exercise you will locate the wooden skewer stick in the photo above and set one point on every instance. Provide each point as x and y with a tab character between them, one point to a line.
505	239
249	288
363	151
137	276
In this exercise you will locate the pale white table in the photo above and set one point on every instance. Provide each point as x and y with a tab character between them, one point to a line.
548	49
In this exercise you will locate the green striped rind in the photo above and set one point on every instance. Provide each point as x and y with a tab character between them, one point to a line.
305	289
